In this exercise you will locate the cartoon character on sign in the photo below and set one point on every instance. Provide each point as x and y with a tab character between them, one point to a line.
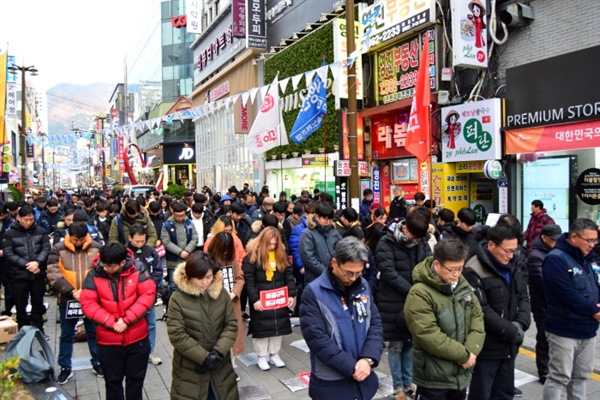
478	11
452	128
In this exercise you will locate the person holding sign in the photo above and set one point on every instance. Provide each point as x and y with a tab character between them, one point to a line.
271	290
223	252
68	264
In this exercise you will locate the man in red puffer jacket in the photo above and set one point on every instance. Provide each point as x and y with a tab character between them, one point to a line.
117	294
539	218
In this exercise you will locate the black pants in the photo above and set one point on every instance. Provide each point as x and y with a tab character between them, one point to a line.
299	278
9	301
129	362
440	394
493	380
22	293
541	346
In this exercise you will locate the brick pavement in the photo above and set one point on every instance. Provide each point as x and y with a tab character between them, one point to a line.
260	385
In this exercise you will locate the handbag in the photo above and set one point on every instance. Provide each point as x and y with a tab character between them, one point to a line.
161	250
35	364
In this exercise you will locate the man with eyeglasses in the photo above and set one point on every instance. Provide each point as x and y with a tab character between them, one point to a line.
499	277
573	310
342	327
446	321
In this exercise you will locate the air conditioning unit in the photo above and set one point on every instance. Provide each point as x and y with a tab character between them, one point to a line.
515	15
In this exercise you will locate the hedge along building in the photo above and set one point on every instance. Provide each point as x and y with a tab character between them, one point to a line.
229	59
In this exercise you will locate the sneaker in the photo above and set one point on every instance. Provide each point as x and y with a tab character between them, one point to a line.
518	393
98	370
399	394
237	377
276	361
245	316
154	359
410	391
65	375
263	363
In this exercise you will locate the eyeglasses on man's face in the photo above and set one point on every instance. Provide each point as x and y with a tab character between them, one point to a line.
350	275
591	242
508	252
453	270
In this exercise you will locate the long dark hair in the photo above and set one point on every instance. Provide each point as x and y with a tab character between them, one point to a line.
222	248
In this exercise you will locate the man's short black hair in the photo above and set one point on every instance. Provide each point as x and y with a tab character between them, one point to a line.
52	202
137	229
269	220
537	203
367	192
113	253
500	233
419	196
446	215
417	224
197	208
237	208
325	210
25	210
467	216
78	230
178	207
350	214
280	207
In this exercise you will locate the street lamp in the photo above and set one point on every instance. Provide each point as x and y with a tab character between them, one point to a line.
103	118
33	71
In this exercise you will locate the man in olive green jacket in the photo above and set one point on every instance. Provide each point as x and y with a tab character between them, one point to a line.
446	321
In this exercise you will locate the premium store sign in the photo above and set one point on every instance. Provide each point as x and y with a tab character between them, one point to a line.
471	131
386	20
397	69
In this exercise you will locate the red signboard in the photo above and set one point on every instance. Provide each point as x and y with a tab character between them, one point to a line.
274	299
179	21
580	135
388	136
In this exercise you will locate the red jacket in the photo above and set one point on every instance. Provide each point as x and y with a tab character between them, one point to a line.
105	298
535	225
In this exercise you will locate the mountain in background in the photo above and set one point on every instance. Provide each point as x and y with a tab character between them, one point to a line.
79	104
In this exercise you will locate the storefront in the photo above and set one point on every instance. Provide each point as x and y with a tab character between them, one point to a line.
552	136
179	164
307	172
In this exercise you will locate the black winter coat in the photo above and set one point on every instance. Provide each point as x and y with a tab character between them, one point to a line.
452	231
502	304
395	262
536	279
22	246
269	323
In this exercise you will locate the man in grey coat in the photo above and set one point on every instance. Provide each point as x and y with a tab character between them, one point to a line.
180	238
317	243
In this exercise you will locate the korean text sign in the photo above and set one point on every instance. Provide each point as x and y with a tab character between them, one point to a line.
274	299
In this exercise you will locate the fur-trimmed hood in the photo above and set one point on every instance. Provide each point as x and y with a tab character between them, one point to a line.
183	283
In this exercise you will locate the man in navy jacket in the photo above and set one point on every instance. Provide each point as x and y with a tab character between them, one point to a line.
573	310
342	327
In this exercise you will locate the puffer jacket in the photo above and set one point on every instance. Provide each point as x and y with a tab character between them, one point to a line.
446	325
571	290
119	228
68	268
338	335
268	323
316	249
106	298
396	260
452	231
49	221
295	242
198	323
536	280
21	246
502	303
535	225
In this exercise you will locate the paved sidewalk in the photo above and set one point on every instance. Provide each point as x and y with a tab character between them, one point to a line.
276	384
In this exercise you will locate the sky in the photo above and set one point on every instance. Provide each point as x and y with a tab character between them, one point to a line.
74	41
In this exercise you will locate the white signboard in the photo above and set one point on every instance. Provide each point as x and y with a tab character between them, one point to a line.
471	131
340	53
469	33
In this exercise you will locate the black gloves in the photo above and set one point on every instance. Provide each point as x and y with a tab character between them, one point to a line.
520	334
211	362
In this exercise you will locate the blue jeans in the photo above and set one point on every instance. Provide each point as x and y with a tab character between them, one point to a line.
67	332
151	318
172	285
400	360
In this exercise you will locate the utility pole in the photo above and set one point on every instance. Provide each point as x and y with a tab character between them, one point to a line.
353	182
103	118
23	144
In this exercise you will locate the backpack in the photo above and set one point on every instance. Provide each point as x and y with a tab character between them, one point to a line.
35	364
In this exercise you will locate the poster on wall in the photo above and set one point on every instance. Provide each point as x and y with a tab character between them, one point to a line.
482	199
471	131
554	193
469	33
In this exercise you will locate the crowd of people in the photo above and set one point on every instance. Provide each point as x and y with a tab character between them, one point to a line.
450	299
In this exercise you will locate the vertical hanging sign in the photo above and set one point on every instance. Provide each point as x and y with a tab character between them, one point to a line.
469	33
256	26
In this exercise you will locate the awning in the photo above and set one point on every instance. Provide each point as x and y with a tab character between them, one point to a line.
577	135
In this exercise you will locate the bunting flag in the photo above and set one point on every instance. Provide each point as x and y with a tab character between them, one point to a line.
268	130
313	109
417	140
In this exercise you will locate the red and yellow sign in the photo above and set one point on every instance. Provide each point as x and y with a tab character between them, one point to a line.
580	135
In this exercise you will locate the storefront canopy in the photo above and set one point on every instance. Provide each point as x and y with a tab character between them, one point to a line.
580	135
